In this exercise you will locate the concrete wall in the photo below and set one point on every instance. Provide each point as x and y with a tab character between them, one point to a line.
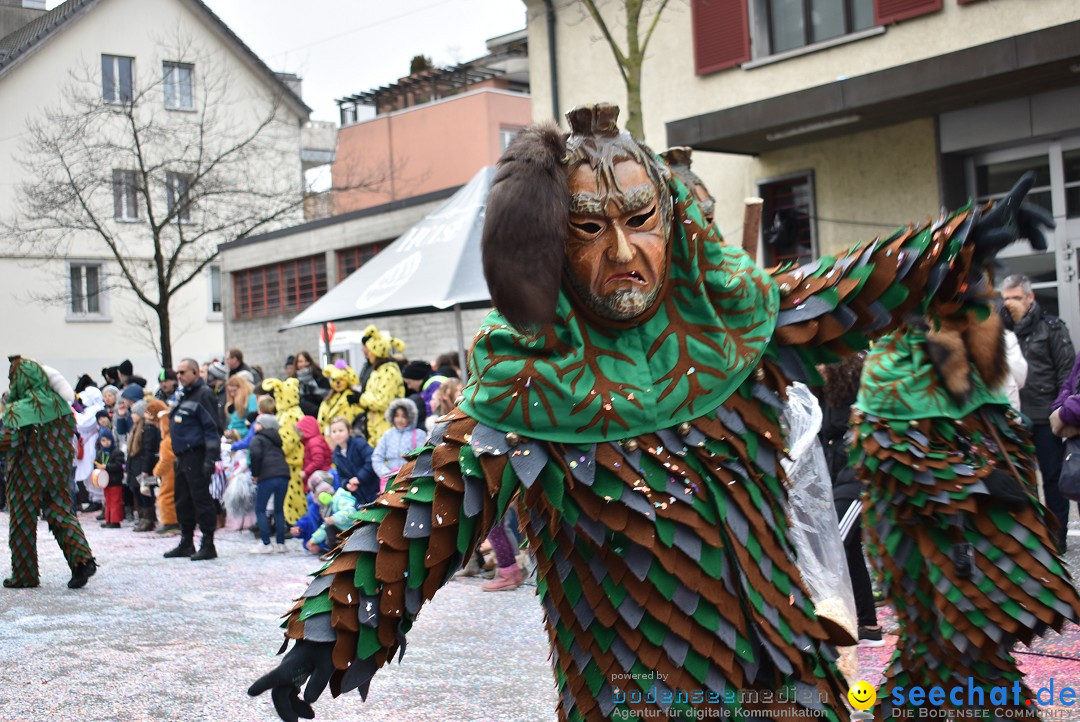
139	29
671	90
259	338
422	149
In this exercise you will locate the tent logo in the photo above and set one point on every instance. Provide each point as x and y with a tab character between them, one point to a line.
390	282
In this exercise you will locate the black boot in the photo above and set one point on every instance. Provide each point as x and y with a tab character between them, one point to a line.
184	549
206	549
82	572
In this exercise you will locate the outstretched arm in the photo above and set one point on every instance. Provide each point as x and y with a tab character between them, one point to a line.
836	306
354	616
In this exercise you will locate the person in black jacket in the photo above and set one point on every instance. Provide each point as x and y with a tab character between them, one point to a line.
838	396
270	472
196	440
144	443
110	460
1048	350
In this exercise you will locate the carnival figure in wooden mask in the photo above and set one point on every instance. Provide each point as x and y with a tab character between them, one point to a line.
626	393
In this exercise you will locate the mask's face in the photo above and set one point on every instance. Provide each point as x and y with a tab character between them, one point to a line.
339	384
617	246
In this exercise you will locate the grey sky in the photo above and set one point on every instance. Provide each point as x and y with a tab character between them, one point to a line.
341	47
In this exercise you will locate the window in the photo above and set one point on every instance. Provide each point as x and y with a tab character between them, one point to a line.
125	198
87	297
177	186
214	273
994	180
786	219
789	24
176	82
116	79
279	288
1071	161
505	136
349	259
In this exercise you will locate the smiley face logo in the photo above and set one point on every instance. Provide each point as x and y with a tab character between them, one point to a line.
862	695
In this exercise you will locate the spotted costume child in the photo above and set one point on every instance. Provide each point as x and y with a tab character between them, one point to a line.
37	438
342	401
627	393
383	385
287	400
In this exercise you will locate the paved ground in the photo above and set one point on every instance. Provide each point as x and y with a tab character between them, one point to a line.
158	639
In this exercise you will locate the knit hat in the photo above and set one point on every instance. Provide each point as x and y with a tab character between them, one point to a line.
139	408
321	483
132	392
104	433
109	388
125	368
416	370
267	421
217	371
167	375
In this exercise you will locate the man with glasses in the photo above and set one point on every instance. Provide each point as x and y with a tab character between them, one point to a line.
196	439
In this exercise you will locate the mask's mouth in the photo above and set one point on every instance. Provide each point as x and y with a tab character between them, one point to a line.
632	276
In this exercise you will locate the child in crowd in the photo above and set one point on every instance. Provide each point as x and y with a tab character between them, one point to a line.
317	456
265	405
401	438
270	472
320	506
158	411
352	460
110	461
341	517
104	420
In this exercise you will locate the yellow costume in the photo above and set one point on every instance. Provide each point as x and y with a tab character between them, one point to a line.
342	399
287	398
385	383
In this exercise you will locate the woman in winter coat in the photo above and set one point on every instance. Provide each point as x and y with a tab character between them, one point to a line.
352	459
144	443
270	472
317	456
400	439
164	469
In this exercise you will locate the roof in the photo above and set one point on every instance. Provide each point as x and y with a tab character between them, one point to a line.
37	31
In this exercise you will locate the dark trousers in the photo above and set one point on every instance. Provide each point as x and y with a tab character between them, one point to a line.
194	505
264	491
861	587
1050	451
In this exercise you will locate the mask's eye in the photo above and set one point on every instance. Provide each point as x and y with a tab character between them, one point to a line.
588	227
639	220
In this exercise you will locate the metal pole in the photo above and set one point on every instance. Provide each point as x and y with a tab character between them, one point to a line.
461	344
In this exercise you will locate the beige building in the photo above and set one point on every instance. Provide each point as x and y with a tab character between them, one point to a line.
175	59
852	118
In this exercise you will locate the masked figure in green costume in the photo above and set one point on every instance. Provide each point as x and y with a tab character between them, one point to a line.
626	393
37	437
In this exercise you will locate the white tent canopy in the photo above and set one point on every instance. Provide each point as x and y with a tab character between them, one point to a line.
435	265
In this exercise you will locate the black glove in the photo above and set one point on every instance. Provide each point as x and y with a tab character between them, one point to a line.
209	462
1011	219
307	661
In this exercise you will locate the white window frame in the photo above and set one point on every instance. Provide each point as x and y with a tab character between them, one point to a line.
761	43
102	313
212	270
173	85
506	135
125	196
113	95
174	194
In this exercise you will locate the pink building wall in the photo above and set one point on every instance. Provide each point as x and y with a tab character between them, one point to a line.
423	149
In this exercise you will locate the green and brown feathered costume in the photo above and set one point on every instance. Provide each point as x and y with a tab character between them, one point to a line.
37	439
645	462
954	524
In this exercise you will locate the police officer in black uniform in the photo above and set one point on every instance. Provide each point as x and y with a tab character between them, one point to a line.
196	439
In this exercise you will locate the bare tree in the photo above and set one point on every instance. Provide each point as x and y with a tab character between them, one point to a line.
154	172
639	31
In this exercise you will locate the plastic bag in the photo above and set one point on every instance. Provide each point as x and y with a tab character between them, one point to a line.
812	523
239	496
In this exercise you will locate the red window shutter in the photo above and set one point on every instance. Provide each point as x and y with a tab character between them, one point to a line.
721	34
893	11
965	2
